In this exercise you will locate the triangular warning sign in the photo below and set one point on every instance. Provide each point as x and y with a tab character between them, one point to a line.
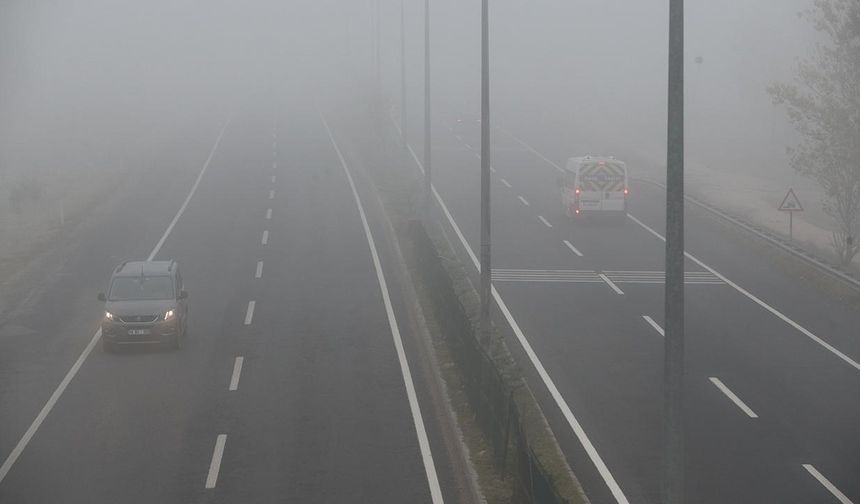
790	203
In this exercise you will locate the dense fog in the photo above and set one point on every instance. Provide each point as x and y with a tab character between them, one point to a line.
590	72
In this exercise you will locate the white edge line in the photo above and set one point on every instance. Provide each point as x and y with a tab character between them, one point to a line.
734	398
758	301
259	273
610	283
215	465
545	222
237	373
423	441
55	396
827	484
249	312
572	248
654	324
574	424
735	286
190	194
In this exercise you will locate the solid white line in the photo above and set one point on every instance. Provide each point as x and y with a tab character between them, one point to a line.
572	248
423	441
572	421
758	301
259	269
655	325
272	194
507	184
274	178
827	484
249	313
731	395
268	213
265	237
523	200
190	194
237	372
58	392
215	465
610	283
546	222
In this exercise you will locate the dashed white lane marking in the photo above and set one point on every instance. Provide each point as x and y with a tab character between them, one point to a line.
421	431
572	248
215	465
274	178
274	165
545	222
249	313
58	392
827	484
265	237
268	214
259	269
571	419
731	395
757	301
468	146
523	200
237	373
654	324
272	194
492	170
830	348
507	184
610	283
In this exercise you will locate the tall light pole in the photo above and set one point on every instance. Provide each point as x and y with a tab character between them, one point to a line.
427	157
377	51
486	267
673	363
403	138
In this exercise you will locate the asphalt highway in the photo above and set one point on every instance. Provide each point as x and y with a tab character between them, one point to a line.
298	381
772	373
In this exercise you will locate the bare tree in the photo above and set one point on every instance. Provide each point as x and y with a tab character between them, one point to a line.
824	106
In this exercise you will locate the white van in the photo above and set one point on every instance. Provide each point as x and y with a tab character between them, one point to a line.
594	186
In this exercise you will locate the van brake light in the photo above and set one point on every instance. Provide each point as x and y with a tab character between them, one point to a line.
626	191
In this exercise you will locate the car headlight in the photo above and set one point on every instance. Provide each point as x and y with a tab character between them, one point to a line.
169	314
109	315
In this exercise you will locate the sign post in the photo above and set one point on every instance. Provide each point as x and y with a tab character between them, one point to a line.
790	204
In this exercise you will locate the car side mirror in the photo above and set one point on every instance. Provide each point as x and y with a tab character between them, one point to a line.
183	294
102	296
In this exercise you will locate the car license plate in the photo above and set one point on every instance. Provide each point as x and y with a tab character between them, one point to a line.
138	332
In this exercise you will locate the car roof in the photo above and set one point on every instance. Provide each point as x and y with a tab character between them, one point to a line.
145	268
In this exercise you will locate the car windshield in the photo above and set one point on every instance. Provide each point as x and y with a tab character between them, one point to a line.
140	288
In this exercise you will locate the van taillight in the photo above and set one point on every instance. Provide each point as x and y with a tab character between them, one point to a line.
578	190
626	191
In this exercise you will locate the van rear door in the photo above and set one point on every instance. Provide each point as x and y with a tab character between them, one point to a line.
603	183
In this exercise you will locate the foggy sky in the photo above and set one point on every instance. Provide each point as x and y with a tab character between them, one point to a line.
592	71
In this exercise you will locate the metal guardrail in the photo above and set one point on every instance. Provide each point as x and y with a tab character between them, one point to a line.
773	239
490	392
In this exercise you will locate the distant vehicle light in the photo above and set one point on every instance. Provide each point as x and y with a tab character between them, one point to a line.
578	190
626	191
